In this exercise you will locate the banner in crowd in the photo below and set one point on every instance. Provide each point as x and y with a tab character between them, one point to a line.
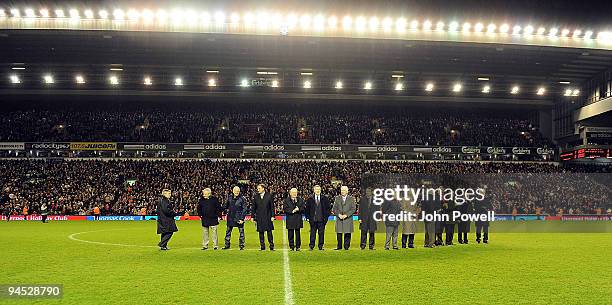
203	147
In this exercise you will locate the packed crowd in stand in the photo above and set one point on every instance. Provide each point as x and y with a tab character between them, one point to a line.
273	124
124	187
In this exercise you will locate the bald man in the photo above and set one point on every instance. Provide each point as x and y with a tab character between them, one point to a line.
236	209
293	206
344	207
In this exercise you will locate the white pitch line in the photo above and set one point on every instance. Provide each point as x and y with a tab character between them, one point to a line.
287	270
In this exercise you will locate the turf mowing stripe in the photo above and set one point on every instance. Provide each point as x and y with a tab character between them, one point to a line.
287	270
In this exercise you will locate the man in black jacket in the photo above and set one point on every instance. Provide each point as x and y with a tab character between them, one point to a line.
209	209
237	209
263	214
294	208
166	226
317	211
367	224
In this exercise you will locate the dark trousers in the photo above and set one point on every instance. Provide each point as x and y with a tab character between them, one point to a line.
484	227
297	242
317	227
262	243
407	239
450	231
364	239
462	231
347	240
44	218
228	236
165	238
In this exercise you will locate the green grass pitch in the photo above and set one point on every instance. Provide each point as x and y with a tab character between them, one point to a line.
120	264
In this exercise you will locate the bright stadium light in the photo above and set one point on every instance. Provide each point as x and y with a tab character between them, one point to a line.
568	92
414	25
177	16
307	84
486	89
576	33
191	16
565	32
305	21
44	13
516	30
367	86
387	24
2	13
48	79
249	19
219	18
553	32
319	22
338	85
429	87
15	79
212	82
541	31
79	79
178	81
162	16
491	28
399	86
235	18
360	23
427	25
89	14
74	14
59	13
103	14
504	28
147	16
275	84
373	24
440	26
515	90
528	30
15	13
457	87
347	22
118	14
400	25
466	27
575	92
114	80
332	22
244	82
541	91
147	81
588	35
478	27
30	13
453	26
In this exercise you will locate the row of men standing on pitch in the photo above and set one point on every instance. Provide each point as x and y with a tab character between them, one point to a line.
317	209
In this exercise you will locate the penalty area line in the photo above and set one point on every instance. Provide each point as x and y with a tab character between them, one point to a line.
287	270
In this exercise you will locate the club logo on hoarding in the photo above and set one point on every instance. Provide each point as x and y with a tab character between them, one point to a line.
496	150
521	151
470	150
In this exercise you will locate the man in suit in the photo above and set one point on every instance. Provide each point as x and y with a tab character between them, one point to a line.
367	224
236	208
294	208
166	226
449	225
209	209
344	208
317	212
263	215
482	207
463	227
428	207
391	207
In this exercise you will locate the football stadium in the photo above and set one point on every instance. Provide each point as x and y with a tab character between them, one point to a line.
313	152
